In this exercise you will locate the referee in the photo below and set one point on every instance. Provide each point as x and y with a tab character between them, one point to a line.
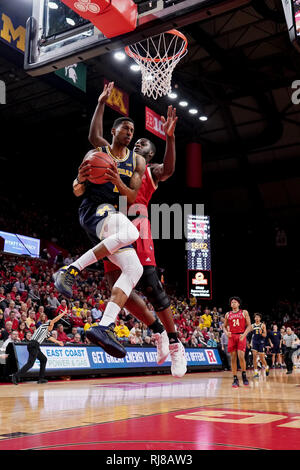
35	352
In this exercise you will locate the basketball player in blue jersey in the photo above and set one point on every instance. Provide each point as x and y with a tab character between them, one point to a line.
111	231
258	343
164	332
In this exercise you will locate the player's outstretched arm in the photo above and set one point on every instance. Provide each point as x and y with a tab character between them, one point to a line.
96	127
135	180
166	169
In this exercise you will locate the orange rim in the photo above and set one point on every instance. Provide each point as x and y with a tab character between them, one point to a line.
132	54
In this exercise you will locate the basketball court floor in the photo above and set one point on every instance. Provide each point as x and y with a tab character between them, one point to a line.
200	411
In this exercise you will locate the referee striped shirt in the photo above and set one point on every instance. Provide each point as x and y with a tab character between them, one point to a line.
41	333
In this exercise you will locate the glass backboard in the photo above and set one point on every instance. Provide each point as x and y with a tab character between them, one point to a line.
56	36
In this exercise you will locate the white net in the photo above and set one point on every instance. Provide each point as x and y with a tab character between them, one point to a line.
157	57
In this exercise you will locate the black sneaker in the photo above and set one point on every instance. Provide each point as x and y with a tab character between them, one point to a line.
14	379
244	377
105	337
42	381
235	383
289	372
64	279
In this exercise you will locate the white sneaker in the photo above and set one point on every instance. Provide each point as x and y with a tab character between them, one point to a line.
179	362
162	345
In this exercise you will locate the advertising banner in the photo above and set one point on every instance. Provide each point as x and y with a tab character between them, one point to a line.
91	358
20	244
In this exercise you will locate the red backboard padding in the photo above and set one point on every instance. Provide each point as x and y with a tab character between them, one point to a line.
111	17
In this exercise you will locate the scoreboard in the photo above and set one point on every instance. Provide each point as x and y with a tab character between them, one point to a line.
199	256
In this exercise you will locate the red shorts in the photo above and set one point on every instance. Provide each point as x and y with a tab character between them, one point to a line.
234	343
144	248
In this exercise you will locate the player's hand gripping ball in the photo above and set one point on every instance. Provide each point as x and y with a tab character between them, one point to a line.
99	162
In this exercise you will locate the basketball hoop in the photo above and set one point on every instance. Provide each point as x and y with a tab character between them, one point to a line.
157	57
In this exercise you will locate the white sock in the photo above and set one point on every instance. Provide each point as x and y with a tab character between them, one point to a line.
110	314
85	260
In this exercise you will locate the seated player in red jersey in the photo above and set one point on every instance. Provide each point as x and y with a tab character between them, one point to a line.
166	340
237	325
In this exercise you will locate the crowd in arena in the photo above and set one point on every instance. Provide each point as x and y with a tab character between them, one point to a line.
28	299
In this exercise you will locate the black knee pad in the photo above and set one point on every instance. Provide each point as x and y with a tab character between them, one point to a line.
153	289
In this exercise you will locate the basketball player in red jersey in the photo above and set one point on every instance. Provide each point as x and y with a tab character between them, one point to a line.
236	326
166	340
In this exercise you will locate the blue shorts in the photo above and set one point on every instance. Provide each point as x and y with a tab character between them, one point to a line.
275	349
258	346
92	218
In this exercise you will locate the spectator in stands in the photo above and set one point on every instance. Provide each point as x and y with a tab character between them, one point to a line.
27	336
2	294
207	318
5	302
74	330
136	338
30	321
194	342
215	322
42	319
54	334
14	293
7	331
122	331
76	339
18	302
89	322
9	309
13	319
76	321
34	294
2	321
61	335
45	255
59	259
40	311
213	341
148	341
96	313
12	338
19	284
63	307
205	334
22	329
52	305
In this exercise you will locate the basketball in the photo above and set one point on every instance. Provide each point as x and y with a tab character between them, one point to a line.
100	162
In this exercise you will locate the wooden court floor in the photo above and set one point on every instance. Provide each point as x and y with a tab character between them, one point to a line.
200	411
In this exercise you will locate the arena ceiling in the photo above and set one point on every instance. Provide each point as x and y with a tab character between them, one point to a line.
238	72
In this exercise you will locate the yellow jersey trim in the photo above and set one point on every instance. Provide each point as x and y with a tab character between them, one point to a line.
108	150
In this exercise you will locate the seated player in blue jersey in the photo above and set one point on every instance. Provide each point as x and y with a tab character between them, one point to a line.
110	231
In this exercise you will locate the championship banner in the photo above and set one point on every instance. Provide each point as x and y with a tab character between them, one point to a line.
13	17
118	100
75	75
154	123
88	359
